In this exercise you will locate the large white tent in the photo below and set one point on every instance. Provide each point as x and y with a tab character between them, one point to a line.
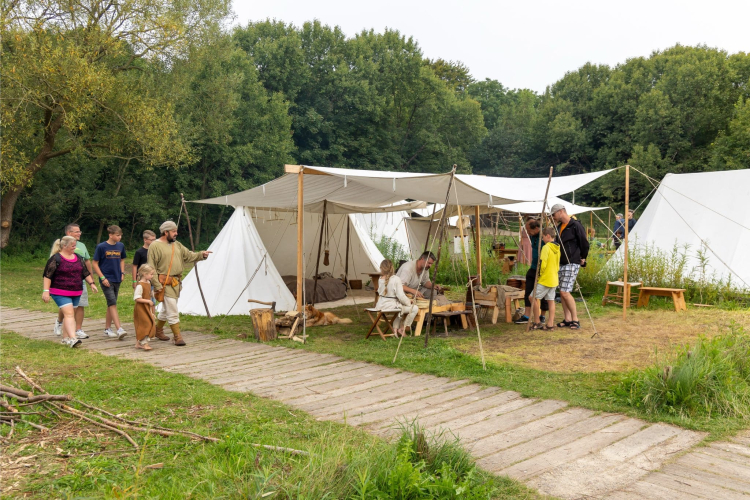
706	211
266	216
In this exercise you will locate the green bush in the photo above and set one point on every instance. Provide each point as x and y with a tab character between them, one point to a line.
420	467
710	378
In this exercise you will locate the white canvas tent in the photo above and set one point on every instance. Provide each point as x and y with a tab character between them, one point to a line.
338	192
390	225
706	210
262	244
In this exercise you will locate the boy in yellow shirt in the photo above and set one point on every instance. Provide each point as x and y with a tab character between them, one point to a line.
549	267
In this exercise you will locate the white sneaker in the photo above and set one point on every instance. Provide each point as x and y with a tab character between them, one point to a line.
109	333
64	341
121	333
58	328
74	343
80	334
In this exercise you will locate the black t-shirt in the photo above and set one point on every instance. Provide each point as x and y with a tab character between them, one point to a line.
141	257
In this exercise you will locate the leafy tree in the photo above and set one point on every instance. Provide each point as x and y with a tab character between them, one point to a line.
81	76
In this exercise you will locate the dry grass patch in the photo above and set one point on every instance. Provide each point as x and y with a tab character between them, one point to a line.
620	345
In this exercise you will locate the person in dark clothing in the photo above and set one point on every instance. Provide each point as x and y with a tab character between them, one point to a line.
574	248
141	255
631	220
532	229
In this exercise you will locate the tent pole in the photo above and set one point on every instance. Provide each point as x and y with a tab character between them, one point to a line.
300	236
441	225
626	289
591	222
346	261
609	225
539	246
192	247
320	245
429	229
478	244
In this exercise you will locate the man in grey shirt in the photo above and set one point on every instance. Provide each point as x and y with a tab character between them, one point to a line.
415	275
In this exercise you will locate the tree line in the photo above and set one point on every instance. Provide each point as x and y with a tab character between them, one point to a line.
110	111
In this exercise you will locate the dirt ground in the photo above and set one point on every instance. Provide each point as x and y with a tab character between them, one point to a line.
618	346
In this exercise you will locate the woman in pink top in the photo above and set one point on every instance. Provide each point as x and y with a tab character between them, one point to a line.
63	277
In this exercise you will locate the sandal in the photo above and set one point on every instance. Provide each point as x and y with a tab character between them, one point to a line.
548	328
145	347
575	325
564	324
536	326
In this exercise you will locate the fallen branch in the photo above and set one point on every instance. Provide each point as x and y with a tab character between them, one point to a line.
28	379
100	424
17	392
35	399
11	419
281	448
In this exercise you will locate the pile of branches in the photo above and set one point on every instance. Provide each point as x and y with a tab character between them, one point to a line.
18	404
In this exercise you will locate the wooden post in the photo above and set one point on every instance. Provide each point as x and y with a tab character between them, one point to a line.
609	226
478	244
626	289
591	223
320	246
192	247
346	260
300	239
429	229
542	217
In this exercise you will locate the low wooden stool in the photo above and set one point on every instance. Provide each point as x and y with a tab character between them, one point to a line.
677	294
388	316
446	316
619	295
512	302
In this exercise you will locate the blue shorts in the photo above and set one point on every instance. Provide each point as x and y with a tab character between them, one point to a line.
64	300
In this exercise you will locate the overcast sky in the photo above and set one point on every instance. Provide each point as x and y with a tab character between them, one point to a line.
528	44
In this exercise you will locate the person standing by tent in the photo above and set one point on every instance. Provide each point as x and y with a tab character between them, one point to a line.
571	236
74	230
168	258
532	228
631	220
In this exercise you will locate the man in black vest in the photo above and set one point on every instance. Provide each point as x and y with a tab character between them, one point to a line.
571	236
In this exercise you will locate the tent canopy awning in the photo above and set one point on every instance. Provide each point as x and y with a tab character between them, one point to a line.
367	191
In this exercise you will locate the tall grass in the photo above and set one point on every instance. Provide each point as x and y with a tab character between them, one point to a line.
667	269
710	378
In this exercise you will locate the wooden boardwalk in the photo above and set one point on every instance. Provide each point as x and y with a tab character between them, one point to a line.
562	451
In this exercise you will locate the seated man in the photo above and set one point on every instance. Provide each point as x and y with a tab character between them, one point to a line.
415	275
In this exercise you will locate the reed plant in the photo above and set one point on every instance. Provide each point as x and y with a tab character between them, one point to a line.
709	378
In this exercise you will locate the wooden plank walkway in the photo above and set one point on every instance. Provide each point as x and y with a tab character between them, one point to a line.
562	451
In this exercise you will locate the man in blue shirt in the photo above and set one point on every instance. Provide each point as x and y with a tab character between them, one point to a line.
109	265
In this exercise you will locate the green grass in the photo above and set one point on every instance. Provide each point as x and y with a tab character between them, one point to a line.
74	462
601	391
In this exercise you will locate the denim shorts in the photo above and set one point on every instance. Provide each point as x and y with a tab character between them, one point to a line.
110	292
64	300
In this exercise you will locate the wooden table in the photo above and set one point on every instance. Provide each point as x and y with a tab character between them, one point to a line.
446	315
488	300
512	300
677	294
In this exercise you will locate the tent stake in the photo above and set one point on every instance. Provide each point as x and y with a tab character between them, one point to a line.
192	247
626	288
539	246
320	246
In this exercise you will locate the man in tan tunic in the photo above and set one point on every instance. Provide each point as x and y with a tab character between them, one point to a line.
159	256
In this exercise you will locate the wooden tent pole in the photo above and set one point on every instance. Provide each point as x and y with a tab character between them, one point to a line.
441	225
300	238
626	289
429	229
542	218
609	225
192	247
591	222
320	246
346	260
478	244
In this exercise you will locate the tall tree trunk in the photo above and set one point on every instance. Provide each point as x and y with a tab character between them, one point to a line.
10	198
6	213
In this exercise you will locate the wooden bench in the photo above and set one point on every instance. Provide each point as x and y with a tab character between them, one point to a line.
377	316
423	312
617	296
677	294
